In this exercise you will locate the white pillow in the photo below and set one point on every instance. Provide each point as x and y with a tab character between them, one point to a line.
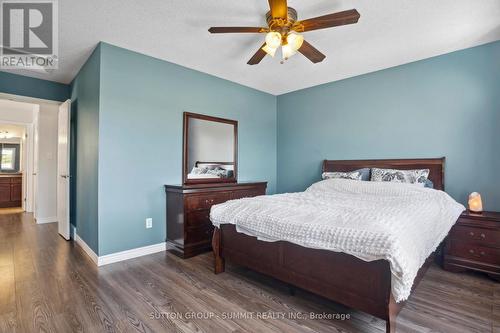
354	175
418	176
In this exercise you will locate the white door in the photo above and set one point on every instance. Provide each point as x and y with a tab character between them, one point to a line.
63	176
35	162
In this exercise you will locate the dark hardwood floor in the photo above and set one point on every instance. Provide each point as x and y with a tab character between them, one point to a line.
49	285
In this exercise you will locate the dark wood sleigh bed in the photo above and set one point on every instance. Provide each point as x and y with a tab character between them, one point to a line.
361	285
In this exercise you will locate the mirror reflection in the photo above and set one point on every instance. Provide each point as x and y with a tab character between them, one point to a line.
210	150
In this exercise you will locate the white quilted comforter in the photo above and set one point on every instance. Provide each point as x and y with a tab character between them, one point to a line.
400	223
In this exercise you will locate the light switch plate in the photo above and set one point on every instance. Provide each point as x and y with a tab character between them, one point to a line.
149	223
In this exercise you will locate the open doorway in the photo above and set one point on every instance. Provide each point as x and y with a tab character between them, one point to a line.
12	167
20	138
33	125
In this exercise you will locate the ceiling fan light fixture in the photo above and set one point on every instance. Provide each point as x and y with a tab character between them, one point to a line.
295	40
283	29
5	135
287	51
273	39
270	50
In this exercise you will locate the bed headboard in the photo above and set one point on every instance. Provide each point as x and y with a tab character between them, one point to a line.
435	165
224	165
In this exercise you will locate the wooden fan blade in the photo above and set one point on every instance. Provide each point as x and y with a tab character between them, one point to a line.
311	53
279	8
328	21
258	56
225	30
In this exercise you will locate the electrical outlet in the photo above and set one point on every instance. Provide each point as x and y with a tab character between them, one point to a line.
149	223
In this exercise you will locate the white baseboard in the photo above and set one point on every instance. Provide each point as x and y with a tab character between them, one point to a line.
118	256
86	249
43	220
130	254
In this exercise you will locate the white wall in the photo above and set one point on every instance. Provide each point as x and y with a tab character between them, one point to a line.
18	112
11	111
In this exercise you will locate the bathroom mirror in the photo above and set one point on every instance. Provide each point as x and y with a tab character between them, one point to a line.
209	149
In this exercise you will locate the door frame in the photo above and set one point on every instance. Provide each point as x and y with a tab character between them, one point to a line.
33	158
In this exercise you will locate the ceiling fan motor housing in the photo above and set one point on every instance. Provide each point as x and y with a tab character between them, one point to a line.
280	24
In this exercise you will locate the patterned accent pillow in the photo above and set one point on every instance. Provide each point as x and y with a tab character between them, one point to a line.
198	171
353	175
220	172
418	176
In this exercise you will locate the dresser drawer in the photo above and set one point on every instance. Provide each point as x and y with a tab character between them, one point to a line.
16	180
206	201
246	194
471	234
474	252
199	235
5	180
189	229
198	218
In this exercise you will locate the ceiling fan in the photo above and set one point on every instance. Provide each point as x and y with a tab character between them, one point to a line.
283	31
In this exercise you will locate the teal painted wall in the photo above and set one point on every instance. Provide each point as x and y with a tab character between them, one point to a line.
127	130
443	106
140	139
31	87
85	91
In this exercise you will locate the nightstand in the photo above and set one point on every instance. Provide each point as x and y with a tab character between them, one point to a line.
474	243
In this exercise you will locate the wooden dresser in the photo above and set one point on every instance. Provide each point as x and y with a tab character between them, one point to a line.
11	188
474	243
189	230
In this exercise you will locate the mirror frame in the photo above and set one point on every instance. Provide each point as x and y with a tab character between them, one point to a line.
185	145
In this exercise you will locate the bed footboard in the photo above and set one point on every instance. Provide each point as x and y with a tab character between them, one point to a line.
337	276
361	285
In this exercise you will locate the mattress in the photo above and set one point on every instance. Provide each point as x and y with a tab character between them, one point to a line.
401	223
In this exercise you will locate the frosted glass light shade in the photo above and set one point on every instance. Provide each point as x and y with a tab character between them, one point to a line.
269	50
475	203
273	39
287	51
294	40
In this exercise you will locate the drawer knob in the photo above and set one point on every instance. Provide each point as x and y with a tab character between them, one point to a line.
482	253
483	236
471	233
471	251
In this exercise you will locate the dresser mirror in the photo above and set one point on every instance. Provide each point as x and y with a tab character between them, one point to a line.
210	149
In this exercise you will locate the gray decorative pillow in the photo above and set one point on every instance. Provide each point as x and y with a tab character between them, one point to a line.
353	175
365	173
400	176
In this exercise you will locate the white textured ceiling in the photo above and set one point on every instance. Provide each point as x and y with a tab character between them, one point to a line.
389	33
